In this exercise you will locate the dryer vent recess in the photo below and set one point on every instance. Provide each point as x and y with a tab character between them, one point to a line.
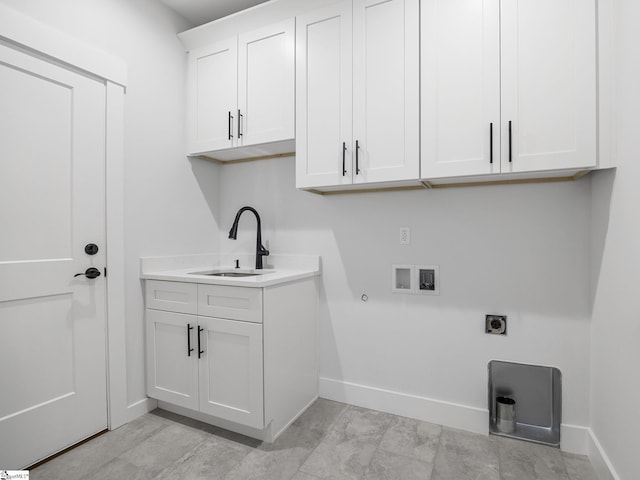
495	324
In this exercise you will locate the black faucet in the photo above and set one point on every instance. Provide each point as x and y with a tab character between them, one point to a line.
260	250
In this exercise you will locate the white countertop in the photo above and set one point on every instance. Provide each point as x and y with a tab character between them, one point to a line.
185	268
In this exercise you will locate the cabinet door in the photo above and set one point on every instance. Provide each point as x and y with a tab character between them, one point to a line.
386	90
548	84
460	94
213	94
324	97
172	370
266	77
231	375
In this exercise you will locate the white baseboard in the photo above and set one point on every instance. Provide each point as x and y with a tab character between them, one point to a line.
574	439
599	459
453	415
141	407
426	409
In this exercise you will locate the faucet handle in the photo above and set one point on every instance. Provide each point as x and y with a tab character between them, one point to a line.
263	251
237	263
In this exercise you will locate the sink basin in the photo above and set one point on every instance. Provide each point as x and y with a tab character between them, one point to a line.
226	274
231	274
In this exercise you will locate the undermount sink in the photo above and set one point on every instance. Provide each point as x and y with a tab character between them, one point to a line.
226	274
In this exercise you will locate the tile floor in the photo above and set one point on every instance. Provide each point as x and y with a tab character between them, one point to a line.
329	441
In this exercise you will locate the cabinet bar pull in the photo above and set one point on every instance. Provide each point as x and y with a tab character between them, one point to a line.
491	142
189	349
200	352
357	160
344	151
230	126
510	143
239	124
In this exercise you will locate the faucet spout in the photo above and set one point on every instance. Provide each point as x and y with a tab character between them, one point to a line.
233	234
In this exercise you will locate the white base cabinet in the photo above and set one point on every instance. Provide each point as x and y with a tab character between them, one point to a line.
246	356
231	379
172	364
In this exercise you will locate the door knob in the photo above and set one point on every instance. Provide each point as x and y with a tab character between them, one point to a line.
91	249
90	272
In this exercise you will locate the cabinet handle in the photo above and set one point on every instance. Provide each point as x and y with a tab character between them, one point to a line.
239	124
357	160
230	126
510	143
344	151
491	142
200	352
189	349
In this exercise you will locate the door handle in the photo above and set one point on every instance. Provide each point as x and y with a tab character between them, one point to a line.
90	272
491	142
510	143
189	349
357	159
240	116
344	152
200	352
230	126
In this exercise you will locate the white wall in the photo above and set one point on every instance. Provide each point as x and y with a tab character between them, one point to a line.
615	389
519	250
166	210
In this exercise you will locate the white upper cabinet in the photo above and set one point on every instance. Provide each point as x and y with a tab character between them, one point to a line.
507	86
386	89
324	96
548	84
266	84
212	96
460	87
241	94
357	118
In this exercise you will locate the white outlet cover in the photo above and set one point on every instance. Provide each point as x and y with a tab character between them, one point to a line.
405	235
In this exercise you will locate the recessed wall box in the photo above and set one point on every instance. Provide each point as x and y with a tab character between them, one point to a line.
496	324
427	279
402	278
537	392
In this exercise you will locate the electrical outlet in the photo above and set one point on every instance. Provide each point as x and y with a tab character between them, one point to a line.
496	324
405	235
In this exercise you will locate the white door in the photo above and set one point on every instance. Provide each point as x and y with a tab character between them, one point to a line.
266	79
386	95
172	358
52	324
231	375
324	97
213	96
460	94
548	84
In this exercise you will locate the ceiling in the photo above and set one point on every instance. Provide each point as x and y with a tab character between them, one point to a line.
199	12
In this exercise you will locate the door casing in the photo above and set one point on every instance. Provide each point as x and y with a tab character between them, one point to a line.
22	32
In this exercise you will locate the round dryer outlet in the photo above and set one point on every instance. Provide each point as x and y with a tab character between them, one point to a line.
496	324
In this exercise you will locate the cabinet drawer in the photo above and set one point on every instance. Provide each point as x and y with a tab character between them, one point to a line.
172	296
235	303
